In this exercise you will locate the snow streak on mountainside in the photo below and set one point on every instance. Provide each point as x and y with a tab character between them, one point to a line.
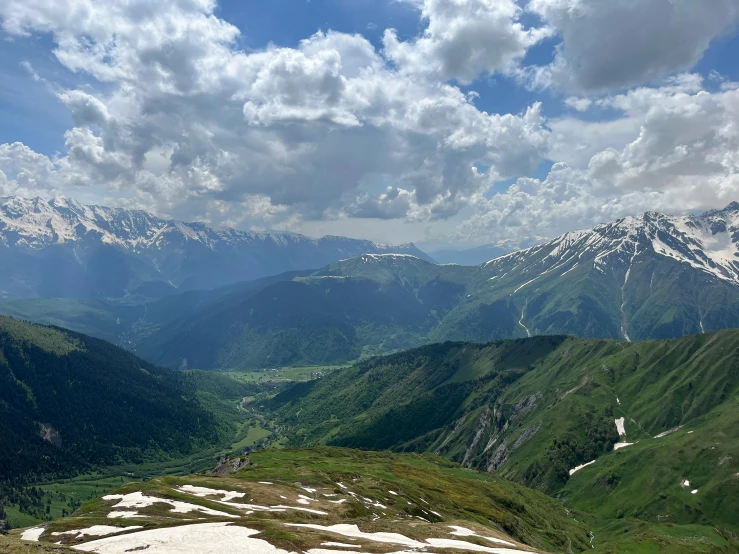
649	276
85	243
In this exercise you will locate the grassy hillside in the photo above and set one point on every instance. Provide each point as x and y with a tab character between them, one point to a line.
533	409
69	402
300	500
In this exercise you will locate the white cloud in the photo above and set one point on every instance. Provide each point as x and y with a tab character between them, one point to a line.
464	39
172	115
180	120
610	44
681	155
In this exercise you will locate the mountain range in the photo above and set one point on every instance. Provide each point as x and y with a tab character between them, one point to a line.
638	278
61	248
645	277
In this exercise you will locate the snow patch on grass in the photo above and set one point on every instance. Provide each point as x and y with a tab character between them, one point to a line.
140	500
620	445
114	515
32	534
199	538
464	532
347	530
578	468
665	433
203	492
620	427
97	531
464	545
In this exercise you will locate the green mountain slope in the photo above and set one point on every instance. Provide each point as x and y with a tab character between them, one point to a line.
68	401
533	409
638	278
349	309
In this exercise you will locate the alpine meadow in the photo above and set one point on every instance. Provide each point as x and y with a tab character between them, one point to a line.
386	277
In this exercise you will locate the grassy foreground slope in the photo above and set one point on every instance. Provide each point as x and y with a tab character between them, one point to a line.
328	500
533	409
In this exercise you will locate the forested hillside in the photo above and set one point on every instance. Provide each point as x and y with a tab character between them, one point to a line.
69	402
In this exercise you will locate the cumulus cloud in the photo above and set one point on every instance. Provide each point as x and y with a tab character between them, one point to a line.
464	39
607	44
180	120
171	115
680	155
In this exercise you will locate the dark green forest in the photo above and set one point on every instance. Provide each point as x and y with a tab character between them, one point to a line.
69	403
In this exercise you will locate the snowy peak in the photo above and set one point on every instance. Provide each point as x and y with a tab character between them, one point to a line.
97	251
36	223
708	242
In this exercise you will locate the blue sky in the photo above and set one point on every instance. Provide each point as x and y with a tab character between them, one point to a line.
477	121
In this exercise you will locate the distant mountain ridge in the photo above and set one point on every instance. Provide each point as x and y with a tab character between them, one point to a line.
651	276
94	251
647	277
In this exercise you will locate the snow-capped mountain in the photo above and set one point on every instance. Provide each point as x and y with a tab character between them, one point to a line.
663	275
61	247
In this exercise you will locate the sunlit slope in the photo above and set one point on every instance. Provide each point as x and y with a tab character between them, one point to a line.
299	500
537	408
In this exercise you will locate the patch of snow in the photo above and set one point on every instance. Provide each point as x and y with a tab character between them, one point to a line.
32	534
338	501
97	531
393	493
203	492
347	530
464	545
114	515
686	483
464	532
578	468
341	544
140	500
665	433
308	510
695	491
265	483
620	427
198	538
620	445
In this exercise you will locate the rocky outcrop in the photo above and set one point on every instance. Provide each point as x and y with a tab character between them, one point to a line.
228	465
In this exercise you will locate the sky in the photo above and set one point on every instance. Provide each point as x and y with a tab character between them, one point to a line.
443	122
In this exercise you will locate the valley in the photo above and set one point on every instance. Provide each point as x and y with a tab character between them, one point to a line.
588	384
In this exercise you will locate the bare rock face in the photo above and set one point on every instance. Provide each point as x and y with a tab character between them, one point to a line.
49	434
227	466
